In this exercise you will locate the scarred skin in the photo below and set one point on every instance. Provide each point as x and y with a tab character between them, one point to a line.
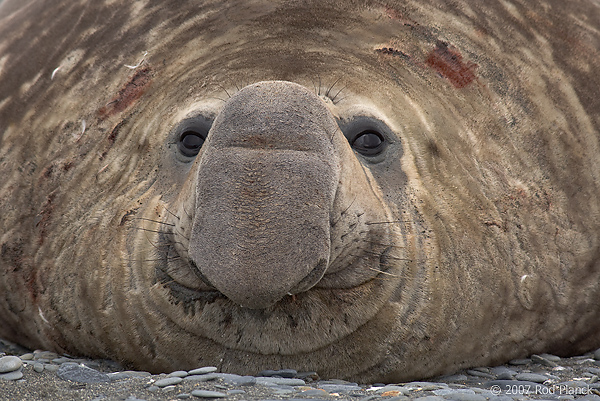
471	239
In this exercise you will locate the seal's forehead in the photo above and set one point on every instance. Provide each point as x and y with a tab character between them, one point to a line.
277	96
275	114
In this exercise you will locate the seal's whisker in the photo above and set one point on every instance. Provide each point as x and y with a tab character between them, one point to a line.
388	256
154	260
385	273
339	100
343	212
385	245
319	92
378	254
167	243
330	88
336	95
171	213
181	235
154	221
314	85
218	98
387	222
185	211
151	231
225	90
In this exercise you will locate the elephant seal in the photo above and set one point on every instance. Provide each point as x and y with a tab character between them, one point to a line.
374	190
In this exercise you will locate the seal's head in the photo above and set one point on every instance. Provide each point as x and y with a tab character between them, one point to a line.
275	215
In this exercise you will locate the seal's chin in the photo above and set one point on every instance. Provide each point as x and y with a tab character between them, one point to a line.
301	321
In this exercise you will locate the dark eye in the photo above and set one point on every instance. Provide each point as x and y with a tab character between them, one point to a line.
367	136
368	143
190	143
190	135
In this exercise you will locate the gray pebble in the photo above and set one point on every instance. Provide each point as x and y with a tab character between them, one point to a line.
127	374
425	386
273	381
402	390
503	370
597	354
208	394
371	398
202	378
311	376
454	378
430	398
38	367
543	361
339	388
153	389
48	355
183	396
236	391
51	368
518	362
550	357
531	377
282	390
81	374
61	360
448	391
478	373
10	364
314	392
26	357
285	373
16	375
464	397
168	381
227	377
178	373
202	371
242	381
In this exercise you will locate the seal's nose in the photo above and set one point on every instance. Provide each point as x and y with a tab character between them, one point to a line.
266	182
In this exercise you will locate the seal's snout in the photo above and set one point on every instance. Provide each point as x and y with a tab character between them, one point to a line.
266	182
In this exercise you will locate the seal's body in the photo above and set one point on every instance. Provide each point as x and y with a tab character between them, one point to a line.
382	191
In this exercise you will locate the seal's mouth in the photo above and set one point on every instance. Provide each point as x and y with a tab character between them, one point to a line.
174	271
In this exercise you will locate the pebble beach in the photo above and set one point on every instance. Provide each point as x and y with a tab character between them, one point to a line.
43	375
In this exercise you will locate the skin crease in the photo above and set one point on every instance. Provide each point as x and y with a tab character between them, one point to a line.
471	239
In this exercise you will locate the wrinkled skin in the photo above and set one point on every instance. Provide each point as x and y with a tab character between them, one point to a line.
471	238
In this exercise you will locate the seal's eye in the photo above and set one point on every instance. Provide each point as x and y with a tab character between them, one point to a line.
368	143
368	136
189	136
190	142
